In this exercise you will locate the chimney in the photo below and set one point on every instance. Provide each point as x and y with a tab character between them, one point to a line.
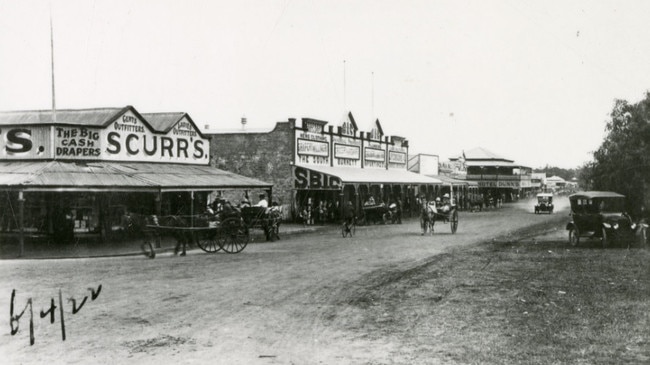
243	122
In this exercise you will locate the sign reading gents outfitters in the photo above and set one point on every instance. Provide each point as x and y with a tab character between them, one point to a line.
126	139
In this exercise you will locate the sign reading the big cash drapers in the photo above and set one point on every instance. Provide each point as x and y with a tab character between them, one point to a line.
126	139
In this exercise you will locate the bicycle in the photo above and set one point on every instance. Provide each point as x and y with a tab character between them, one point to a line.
348	227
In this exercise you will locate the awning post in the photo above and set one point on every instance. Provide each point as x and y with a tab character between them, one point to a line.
158	203
21	222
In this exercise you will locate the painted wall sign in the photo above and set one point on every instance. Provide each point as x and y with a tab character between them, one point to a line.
499	184
373	154
347	151
129	139
396	157
313	148
310	179
77	143
126	139
25	142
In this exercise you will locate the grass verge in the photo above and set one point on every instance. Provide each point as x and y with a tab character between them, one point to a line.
511	302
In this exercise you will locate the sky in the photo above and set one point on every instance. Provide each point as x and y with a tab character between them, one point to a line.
532	81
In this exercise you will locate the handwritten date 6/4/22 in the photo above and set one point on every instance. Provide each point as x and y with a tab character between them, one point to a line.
14	321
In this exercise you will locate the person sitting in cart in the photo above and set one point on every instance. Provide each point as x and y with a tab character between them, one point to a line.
263	202
370	201
446	204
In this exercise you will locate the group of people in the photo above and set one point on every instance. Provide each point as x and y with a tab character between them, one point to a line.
220	205
323	212
442	205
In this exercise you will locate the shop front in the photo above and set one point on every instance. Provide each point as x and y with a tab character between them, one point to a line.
332	168
75	176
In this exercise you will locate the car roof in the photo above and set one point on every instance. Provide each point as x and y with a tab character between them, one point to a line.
596	194
544	194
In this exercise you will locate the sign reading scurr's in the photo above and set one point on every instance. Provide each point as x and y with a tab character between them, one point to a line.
126	137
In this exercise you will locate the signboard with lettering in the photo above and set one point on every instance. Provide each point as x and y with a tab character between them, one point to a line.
312	148
25	142
314	180
347	151
129	139
499	184
126	139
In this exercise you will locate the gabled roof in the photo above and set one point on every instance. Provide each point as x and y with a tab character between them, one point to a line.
480	153
164	121
94	117
379	128
351	119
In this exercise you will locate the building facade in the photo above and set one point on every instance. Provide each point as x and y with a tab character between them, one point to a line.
315	165
74	174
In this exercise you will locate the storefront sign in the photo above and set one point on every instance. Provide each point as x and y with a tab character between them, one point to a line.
126	139
310	179
373	154
77	142
347	151
19	142
313	148
396	157
499	184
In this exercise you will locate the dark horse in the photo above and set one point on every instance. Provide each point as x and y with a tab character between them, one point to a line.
428	213
149	227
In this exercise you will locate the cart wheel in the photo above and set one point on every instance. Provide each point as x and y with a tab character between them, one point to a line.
454	221
234	236
574	237
208	240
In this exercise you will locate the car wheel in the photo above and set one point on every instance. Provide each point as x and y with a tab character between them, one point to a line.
604	240
574	237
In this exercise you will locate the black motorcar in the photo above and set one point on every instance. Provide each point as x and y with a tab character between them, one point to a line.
544	203
601	215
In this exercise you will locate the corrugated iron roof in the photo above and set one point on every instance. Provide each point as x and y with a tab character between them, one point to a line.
163	121
96	117
480	153
112	176
378	176
89	117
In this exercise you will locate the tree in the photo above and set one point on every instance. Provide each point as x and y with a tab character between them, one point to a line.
622	162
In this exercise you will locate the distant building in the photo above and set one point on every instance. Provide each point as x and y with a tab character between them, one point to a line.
496	176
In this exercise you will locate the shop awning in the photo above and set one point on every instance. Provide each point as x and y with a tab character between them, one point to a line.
446	180
114	176
372	176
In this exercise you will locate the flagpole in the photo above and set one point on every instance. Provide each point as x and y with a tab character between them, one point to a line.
345	105
52	63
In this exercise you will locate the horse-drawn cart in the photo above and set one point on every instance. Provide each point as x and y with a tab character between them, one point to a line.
430	213
227	230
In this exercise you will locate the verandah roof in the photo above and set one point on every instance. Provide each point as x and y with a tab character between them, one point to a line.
113	176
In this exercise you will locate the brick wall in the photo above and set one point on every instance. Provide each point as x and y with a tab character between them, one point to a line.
262	156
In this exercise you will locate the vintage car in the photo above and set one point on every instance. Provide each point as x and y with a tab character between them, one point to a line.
544	203
601	215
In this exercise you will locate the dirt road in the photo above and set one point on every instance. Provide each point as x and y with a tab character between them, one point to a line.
296	301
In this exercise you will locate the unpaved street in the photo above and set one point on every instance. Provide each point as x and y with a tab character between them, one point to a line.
287	302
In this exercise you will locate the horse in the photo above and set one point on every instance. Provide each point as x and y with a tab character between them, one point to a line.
428	211
135	225
141	225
